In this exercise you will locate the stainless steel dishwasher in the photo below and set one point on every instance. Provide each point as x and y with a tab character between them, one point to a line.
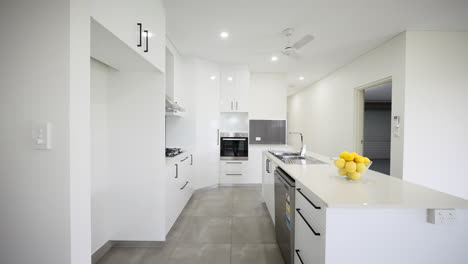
284	214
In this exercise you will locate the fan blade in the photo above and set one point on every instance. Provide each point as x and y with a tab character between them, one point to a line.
302	42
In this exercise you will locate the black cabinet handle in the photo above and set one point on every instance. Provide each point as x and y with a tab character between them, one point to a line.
267	166
176	170
184	185
184	159
316	207
303	218
233	174
191	159
140	26
299	256
147	39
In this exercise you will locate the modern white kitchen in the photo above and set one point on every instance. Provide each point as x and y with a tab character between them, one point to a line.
233	132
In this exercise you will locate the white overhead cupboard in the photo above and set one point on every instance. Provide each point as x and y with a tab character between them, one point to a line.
140	24
234	89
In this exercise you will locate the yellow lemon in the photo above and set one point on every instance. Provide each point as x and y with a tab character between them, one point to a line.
361	167
366	160
350	166
342	171
359	159
343	154
354	175
348	156
340	163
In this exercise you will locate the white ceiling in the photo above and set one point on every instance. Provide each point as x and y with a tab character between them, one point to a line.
343	30
379	93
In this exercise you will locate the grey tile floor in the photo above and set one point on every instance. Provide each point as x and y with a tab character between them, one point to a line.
218	226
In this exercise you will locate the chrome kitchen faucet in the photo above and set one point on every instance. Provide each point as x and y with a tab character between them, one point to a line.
303	147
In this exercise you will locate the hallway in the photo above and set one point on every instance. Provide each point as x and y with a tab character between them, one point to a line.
218	226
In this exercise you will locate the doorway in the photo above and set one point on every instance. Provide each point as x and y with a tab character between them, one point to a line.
374	123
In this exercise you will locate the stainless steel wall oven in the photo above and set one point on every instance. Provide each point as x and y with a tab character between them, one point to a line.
234	146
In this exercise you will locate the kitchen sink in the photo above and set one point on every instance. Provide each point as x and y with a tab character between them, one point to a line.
295	158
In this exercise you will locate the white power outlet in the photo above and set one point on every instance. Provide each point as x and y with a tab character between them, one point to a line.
441	216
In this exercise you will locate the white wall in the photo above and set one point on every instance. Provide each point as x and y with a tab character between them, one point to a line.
436	107
137	163
79	114
100	196
324	111
267	96
44	75
128	164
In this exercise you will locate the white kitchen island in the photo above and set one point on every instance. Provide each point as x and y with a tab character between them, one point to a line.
376	220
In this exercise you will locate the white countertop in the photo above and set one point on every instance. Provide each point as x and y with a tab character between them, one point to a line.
374	189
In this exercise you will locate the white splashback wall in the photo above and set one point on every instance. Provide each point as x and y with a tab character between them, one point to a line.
436	110
180	131
324	111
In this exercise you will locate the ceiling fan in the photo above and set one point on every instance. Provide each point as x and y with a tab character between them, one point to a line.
291	50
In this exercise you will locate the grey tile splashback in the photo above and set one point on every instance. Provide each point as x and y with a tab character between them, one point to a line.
267	132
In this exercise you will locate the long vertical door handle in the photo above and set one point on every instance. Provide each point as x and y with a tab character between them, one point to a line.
147	39
237	105
140	26
232	105
267	168
191	159
217	135
176	170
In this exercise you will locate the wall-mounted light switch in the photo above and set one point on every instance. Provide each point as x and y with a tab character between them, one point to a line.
42	135
396	126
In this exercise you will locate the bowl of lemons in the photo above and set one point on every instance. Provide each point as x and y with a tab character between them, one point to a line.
352	165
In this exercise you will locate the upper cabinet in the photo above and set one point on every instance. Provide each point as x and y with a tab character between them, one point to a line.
141	24
234	89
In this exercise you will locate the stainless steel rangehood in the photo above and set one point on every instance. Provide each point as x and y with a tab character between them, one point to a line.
172	108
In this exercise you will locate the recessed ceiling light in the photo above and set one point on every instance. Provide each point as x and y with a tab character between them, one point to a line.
274	58
301	78
224	35
213	77
229	78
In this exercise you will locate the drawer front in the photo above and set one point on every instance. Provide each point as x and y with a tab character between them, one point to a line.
233	166
309	242
311	206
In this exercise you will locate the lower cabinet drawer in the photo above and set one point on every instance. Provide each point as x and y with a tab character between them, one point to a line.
311	206
233	166
309	242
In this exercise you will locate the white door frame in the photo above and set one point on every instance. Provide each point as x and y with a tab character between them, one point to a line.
359	113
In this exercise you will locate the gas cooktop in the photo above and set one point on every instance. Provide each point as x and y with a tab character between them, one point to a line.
172	152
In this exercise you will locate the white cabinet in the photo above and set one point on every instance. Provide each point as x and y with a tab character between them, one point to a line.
268	185
234	172
234	89
310	232
179	187
123	19
206	121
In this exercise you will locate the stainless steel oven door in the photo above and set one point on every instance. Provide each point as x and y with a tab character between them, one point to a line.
234	146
